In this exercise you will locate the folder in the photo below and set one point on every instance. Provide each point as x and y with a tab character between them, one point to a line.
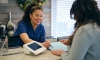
58	46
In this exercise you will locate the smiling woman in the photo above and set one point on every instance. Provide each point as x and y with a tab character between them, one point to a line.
36	17
30	28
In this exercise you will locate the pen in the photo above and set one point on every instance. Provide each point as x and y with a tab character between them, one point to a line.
51	46
12	53
47	41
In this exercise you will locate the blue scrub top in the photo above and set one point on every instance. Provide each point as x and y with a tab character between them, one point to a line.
37	35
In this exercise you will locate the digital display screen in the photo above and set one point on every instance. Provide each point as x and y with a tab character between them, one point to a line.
34	46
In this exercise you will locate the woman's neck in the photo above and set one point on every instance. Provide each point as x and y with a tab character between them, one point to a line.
34	26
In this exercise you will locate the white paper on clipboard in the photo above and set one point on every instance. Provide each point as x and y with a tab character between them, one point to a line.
58	46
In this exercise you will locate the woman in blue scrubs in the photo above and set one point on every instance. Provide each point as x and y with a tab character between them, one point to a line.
30	28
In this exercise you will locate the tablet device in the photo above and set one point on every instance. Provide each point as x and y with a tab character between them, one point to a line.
34	47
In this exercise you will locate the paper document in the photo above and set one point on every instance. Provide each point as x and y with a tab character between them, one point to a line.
58	46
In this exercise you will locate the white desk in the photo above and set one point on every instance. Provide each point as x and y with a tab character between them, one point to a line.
46	55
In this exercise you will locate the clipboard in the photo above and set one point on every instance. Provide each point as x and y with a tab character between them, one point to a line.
58	46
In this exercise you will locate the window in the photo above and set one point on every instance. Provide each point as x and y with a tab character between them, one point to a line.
61	23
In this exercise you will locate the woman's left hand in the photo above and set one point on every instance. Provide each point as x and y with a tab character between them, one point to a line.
57	52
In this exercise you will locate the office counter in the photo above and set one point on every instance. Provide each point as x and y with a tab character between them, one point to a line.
46	55
18	54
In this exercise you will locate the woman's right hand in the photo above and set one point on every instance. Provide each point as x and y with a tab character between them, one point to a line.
64	41
46	44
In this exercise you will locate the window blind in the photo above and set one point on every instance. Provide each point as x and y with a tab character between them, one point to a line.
61	23
98	1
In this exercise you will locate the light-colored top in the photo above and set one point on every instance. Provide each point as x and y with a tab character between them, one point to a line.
86	44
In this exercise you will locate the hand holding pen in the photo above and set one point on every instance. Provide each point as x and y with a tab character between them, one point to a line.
49	45
49	42
46	44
